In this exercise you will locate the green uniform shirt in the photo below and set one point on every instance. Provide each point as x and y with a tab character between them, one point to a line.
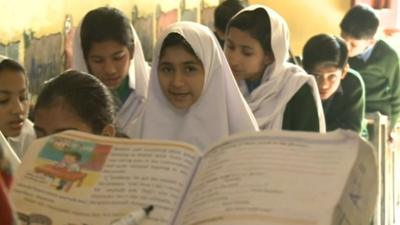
381	75
345	109
122	92
301	111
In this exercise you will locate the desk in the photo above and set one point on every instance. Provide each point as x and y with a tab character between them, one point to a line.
62	173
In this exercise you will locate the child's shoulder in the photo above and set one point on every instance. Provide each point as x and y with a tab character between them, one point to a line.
353	80
383	48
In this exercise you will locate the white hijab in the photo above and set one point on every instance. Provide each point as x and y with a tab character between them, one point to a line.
21	143
220	110
280	81
138	79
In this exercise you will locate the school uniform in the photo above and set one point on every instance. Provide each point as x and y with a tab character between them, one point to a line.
380	70
220	110
286	97
345	108
131	95
21	143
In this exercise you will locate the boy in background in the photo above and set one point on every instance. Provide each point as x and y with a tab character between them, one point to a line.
341	89
375	60
222	14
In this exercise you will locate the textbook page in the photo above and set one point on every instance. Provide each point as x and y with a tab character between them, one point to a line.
272	178
361	192
110	178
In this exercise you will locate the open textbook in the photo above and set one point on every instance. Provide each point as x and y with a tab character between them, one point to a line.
286	178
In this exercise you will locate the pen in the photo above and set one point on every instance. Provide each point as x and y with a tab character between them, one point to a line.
134	218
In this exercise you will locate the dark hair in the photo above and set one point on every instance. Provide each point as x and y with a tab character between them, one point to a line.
225	11
12	65
105	24
174	39
9	64
75	154
327	49
360	22
257	24
85	94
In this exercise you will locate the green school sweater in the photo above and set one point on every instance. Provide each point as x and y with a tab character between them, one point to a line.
301	111
345	109
122	93
381	75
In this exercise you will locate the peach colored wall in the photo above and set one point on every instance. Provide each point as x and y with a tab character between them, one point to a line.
45	17
306	18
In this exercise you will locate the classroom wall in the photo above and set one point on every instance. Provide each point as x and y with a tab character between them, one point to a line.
306	18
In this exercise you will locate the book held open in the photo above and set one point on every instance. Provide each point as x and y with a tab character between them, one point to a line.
254	178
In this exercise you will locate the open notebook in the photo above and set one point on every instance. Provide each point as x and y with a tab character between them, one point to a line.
267	177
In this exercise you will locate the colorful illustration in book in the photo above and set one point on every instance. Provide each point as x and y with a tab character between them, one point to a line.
71	164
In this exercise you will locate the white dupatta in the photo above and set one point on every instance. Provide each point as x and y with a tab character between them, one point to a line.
220	110
280	81
138	80
21	143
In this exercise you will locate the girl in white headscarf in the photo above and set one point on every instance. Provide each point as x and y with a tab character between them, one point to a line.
107	46
280	94
14	106
193	96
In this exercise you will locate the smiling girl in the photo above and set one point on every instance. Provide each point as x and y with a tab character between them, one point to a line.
193	96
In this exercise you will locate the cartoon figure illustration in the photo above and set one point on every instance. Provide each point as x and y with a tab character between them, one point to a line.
68	170
70	163
64	163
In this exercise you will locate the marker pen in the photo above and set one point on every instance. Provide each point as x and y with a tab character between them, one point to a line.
134	218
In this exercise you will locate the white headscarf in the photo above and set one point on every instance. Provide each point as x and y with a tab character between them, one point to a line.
138	79
220	110
280	81
21	143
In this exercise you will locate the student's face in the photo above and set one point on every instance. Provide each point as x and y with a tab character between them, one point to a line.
328	79
245	55
356	46
181	76
109	61
14	102
58	118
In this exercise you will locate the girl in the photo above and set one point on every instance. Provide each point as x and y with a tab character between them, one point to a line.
74	101
341	90
14	106
281	95
107	46
193	96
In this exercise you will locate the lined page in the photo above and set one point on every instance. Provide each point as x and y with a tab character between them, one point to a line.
271	178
